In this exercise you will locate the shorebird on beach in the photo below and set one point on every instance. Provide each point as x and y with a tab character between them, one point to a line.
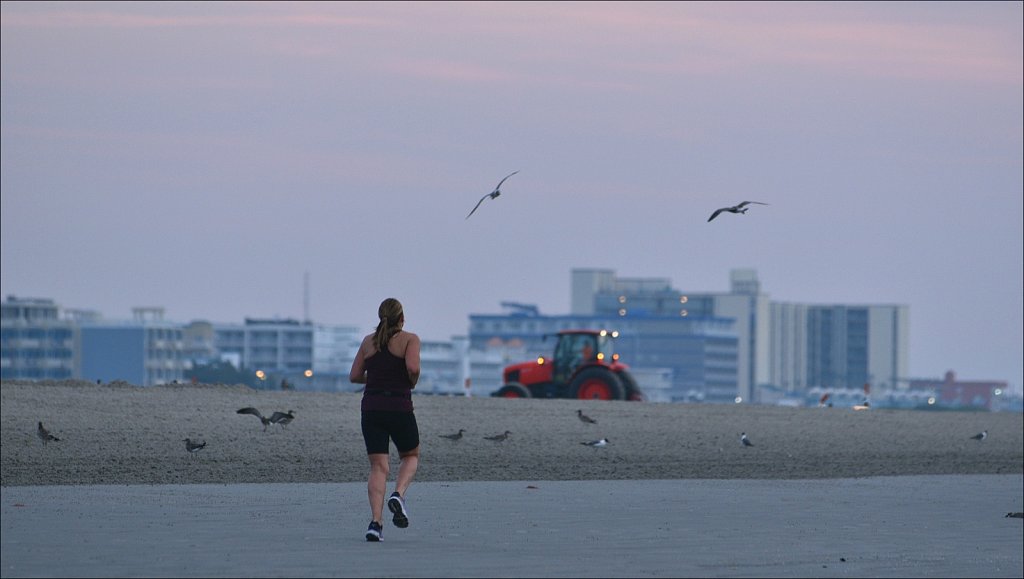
257	414
741	208
585	418
498	437
744	440
596	443
45	435
493	194
194	447
282	418
456	436
980	436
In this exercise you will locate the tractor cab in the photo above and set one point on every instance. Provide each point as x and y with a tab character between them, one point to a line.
576	349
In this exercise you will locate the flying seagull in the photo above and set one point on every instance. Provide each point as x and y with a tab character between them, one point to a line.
585	418
45	435
596	443
492	194
456	436
745	440
980	436
257	414
741	208
498	437
282	418
194	447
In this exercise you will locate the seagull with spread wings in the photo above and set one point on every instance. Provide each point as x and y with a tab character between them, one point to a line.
492	194
257	414
741	208
283	419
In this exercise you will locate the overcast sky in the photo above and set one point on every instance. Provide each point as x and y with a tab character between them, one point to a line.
203	157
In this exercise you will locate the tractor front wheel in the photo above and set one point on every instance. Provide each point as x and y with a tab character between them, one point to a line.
596	384
513	390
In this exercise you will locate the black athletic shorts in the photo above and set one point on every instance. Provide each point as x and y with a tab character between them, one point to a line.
380	426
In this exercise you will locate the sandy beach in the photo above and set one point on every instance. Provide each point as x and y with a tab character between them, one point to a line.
824	492
122	434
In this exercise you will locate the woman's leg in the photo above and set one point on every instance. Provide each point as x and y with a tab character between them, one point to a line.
407	469
377	485
407	441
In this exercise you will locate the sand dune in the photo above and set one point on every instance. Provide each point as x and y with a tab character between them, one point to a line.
122	434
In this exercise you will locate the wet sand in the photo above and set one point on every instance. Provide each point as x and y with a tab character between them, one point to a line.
910	526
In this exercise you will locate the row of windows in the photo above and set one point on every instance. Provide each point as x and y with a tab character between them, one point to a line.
236	339
38	354
164	334
35	373
29	313
162	354
54	334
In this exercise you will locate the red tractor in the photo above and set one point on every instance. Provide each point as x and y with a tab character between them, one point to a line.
584	366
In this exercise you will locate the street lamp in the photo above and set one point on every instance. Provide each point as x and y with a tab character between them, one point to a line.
262	377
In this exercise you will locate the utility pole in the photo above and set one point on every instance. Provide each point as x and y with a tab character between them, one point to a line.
305	297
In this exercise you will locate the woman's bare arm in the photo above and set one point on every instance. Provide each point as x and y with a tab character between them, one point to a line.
358	373
412	358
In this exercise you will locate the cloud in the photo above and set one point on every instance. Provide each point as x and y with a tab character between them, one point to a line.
450	41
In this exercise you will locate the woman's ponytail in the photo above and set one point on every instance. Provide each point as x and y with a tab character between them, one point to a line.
390	314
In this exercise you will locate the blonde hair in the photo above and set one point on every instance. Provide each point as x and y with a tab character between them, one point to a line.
391	315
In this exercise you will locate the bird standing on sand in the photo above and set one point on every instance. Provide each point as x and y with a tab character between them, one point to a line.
596	443
980	436
45	435
282	418
585	418
257	414
498	437
456	436
745	440
493	194
741	208
194	447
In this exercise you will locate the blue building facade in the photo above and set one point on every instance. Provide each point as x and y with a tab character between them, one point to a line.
146	351
35	343
113	354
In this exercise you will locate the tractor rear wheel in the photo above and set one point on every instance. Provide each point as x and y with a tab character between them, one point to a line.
596	384
633	391
513	390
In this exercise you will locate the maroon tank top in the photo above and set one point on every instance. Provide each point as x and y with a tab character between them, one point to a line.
387	383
